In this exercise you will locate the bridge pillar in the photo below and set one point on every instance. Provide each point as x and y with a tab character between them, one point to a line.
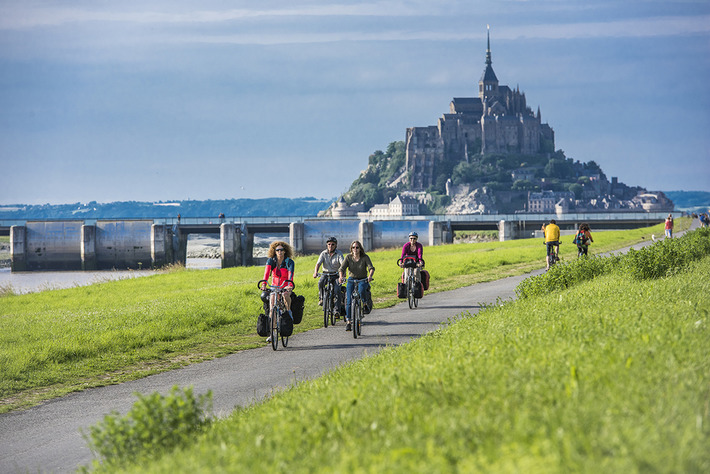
18	248
247	246
230	245
159	246
366	235
436	233
506	231
296	233
88	247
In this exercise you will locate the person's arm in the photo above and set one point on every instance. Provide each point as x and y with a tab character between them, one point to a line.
420	251
371	268
267	272
342	268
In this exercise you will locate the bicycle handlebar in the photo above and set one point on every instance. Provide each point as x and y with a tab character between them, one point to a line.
258	285
401	260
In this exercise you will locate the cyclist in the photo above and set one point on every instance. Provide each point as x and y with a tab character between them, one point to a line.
330	258
412	249
280	267
583	239
360	267
552	239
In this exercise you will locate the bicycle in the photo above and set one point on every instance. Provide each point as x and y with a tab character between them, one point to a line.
331	309
276	310
553	255
409	264
356	308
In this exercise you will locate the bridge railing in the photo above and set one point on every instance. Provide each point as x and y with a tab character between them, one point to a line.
518	217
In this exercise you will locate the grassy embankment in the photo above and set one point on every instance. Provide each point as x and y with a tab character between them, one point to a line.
609	375
59	341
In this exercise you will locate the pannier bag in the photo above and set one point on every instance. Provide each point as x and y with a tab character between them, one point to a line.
418	290
286	325
298	302
262	325
425	279
401	290
342	300
367	306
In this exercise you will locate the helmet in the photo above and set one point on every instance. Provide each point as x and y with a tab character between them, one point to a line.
414	234
332	239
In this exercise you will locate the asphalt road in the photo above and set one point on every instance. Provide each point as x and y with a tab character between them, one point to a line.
46	438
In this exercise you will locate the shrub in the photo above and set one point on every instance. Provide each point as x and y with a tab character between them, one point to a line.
155	424
663	258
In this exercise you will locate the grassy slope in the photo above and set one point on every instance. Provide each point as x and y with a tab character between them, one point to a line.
55	342
609	376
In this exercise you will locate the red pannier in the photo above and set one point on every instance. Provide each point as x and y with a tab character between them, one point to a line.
425	279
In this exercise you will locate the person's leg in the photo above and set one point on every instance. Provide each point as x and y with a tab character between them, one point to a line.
348	298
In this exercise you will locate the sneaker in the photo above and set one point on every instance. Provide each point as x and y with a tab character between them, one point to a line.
348	327
268	339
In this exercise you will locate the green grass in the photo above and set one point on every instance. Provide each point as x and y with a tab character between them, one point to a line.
59	341
612	375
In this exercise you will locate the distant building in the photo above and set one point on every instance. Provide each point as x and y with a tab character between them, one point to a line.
497	121
550	201
341	209
397	207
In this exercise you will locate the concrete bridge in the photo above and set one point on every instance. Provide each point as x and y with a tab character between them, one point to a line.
151	243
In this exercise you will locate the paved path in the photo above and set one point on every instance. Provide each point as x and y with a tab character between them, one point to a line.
46	438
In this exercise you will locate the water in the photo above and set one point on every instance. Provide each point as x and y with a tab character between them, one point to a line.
30	282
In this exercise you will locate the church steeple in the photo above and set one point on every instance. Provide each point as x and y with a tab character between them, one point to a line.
488	85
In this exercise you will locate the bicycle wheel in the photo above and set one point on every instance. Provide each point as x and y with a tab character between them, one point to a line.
326	308
410	293
355	315
275	321
358	324
416	300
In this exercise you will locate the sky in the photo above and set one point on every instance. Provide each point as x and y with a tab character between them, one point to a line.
162	100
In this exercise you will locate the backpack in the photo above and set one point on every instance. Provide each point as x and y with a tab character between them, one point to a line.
418	290
425	279
286	325
262	325
580	239
298	302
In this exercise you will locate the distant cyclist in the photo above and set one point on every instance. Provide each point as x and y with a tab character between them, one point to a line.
583	239
412	250
280	267
361	268
552	240
331	258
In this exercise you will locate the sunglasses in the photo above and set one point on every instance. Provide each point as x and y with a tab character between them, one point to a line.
279	250
412	238
355	247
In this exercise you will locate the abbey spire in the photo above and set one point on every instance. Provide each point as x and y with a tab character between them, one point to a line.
488	85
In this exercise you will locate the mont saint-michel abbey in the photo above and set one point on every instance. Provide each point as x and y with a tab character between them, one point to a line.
497	121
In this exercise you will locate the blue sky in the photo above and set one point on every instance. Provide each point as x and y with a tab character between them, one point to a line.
165	100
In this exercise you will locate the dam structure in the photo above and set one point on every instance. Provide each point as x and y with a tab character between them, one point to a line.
153	243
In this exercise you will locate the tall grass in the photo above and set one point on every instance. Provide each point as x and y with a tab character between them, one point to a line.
609	376
59	341
663	258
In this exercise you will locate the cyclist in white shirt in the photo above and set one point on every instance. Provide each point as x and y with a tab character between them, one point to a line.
330	259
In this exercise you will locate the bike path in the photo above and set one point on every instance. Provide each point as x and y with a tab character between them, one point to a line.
46	438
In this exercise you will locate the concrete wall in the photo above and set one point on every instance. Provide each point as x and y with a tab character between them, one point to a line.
124	244
53	245
315	233
387	234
